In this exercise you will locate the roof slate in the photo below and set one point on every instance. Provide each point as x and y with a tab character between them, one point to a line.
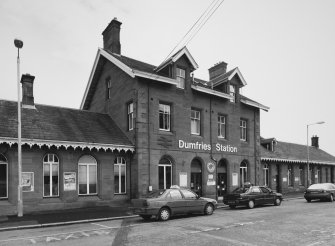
60	124
291	151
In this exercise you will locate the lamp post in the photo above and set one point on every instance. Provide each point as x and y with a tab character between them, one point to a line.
19	44
308	174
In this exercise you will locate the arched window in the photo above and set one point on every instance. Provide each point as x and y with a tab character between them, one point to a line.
119	175
243	173
50	175
266	174
87	175
3	177
164	173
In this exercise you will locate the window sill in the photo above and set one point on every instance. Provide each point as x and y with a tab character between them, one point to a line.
165	132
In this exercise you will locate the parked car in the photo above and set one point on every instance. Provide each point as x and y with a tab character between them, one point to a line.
322	191
252	196
166	203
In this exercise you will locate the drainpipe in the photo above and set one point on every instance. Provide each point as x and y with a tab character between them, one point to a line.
149	138
211	143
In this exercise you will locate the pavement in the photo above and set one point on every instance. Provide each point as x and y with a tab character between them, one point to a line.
79	215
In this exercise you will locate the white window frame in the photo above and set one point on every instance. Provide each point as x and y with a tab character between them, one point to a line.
121	162
181	77
51	163
130	113
6	164
243	130
243	172
165	113
222	125
266	174
196	119
318	174
232	92
88	176
166	166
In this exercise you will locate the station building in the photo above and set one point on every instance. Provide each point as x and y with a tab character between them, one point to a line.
284	165
200	134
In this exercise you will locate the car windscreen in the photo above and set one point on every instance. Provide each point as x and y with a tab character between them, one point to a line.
241	190
319	186
155	194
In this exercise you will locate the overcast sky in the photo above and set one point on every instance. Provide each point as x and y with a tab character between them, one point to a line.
284	49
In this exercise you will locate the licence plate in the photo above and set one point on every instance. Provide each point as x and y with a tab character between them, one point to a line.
231	202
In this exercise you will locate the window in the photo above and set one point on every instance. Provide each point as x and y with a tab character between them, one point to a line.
243	173
108	88
266	174
130	113
180	76
189	194
3	177
310	175
119	175
301	175
175	194
87	175
164	117
289	175
318	175
221	126
50	175
243	130
232	92
195	122
165	173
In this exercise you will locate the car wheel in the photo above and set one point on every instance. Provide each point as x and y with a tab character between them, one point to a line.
146	217
277	201
209	209
251	204
331	199
164	214
232	206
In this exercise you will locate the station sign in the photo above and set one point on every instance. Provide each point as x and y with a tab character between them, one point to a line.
207	147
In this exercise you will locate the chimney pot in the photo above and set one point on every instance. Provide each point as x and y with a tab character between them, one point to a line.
27	82
315	141
111	36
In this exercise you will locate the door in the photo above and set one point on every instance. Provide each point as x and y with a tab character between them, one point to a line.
196	177
222	184
194	204
176	202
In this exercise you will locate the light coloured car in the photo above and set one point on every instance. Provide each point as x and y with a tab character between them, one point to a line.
163	204
322	191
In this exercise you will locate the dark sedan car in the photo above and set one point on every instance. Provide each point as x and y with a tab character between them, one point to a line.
252	196
166	203
323	191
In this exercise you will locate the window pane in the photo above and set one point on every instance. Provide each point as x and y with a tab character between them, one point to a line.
82	179
123	179
161	176
46	179
3	180
168	170
116	179
92	179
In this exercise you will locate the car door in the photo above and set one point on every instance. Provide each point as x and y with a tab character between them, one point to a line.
194	204
268	196
176	201
257	195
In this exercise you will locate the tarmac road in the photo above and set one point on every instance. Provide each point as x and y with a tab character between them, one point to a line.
296	222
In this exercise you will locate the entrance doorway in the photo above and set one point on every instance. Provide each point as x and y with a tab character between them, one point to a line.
196	177
222	179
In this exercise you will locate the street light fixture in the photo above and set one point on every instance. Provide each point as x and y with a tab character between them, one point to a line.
19	44
308	174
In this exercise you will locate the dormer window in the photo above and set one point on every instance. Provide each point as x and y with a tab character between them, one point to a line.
180	76
232	92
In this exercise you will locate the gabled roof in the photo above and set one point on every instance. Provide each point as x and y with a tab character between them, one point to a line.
228	76
296	153
132	67
56	126
176	57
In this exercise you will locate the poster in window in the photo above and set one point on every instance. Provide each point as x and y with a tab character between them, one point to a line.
183	179
27	181
69	181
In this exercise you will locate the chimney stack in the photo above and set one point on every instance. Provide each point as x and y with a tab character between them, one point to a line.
27	81
315	141
217	70
111	37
